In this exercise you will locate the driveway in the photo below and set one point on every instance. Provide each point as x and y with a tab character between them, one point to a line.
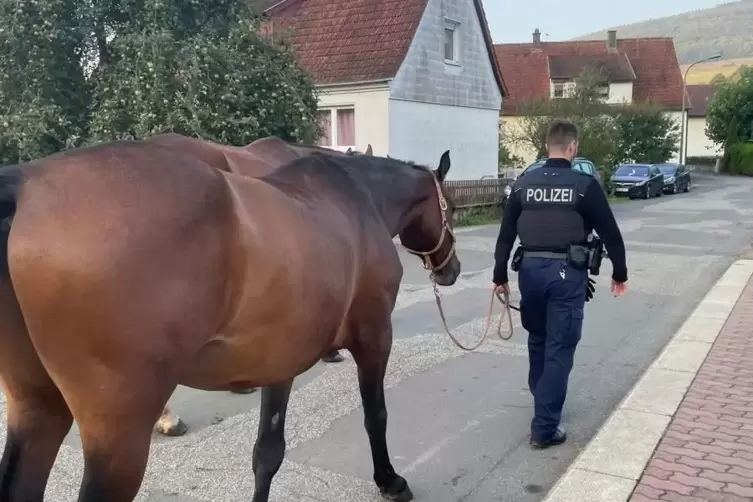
458	422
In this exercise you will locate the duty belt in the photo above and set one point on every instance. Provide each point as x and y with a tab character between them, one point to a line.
545	254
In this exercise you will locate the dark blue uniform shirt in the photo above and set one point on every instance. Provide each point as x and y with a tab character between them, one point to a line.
552	207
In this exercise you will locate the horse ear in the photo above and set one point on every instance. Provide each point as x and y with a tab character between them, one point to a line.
369	151
444	166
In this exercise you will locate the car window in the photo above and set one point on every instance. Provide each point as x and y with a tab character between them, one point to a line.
668	169
655	170
580	166
590	168
633	170
533	166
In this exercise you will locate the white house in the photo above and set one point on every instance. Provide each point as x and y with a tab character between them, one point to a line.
413	78
636	69
698	144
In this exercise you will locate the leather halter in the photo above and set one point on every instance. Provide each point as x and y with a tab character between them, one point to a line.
426	256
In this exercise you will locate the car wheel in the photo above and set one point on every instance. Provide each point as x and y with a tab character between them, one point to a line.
660	192
675	188
647	192
687	187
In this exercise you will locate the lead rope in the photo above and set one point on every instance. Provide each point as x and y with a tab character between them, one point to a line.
507	312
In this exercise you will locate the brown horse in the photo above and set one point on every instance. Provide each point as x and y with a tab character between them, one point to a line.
137	268
256	159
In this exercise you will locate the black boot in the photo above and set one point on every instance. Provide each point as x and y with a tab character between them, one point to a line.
333	357
558	438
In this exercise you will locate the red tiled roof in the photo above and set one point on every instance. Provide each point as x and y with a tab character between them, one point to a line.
699	97
350	41
616	67
654	61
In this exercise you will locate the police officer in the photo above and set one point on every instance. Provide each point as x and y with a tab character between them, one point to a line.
553	209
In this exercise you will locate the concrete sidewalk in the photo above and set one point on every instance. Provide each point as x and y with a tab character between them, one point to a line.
685	431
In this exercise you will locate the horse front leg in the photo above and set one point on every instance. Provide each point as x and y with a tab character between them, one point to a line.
371	356
269	450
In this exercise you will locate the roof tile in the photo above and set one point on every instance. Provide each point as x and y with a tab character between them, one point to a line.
349	41
699	97
654	62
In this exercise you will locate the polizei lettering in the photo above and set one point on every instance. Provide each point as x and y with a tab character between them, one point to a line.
550	195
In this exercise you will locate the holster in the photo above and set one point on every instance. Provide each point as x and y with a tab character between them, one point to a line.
577	256
517	258
595	254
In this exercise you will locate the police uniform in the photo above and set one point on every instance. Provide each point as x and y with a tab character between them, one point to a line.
551	209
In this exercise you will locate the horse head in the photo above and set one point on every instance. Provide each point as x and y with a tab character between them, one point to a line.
428	233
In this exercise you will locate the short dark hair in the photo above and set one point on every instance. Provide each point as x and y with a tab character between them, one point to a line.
561	133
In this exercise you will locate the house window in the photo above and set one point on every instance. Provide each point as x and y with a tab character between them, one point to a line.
558	91
603	91
451	42
339	128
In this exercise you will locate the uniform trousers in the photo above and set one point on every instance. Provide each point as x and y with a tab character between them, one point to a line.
553	295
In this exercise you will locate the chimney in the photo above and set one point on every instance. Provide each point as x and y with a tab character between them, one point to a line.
612	41
536	37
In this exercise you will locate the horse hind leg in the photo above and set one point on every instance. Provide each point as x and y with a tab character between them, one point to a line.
170	424
38	416
371	356
116	431
269	450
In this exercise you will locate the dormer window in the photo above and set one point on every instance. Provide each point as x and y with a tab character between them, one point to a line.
451	42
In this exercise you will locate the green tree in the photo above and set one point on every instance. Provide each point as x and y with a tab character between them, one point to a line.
584	108
730	112
201	69
644	133
76	71
43	92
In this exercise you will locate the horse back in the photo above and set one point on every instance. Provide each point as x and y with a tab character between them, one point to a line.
131	230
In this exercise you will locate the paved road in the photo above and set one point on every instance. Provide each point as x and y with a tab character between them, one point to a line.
459	423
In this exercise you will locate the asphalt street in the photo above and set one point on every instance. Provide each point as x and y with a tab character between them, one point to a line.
458	422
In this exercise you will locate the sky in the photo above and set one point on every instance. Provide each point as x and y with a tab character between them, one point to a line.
515	20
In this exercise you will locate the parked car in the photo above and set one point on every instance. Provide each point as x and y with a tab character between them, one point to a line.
579	164
676	177
638	180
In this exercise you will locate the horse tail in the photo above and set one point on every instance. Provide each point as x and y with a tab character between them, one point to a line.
11	179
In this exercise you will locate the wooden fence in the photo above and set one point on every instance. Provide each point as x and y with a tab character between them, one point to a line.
477	193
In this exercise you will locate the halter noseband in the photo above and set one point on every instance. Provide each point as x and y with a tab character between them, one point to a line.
426	255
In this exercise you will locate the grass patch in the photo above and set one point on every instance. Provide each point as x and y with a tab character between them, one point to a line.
617	200
473	216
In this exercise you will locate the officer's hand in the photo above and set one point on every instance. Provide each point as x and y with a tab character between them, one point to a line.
619	288
590	289
501	289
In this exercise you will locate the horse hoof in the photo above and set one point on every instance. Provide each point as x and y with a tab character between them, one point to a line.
398	491
249	390
334	358
178	429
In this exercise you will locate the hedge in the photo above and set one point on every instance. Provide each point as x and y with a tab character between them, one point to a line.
741	159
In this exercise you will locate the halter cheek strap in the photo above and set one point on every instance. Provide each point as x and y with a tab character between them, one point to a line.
426	256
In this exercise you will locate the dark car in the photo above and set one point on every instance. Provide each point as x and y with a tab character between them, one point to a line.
676	177
579	164
638	180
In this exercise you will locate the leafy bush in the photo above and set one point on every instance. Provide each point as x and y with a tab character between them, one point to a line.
741	159
101	70
644	133
730	112
609	134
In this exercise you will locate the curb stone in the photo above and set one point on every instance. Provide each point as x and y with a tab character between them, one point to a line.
611	464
